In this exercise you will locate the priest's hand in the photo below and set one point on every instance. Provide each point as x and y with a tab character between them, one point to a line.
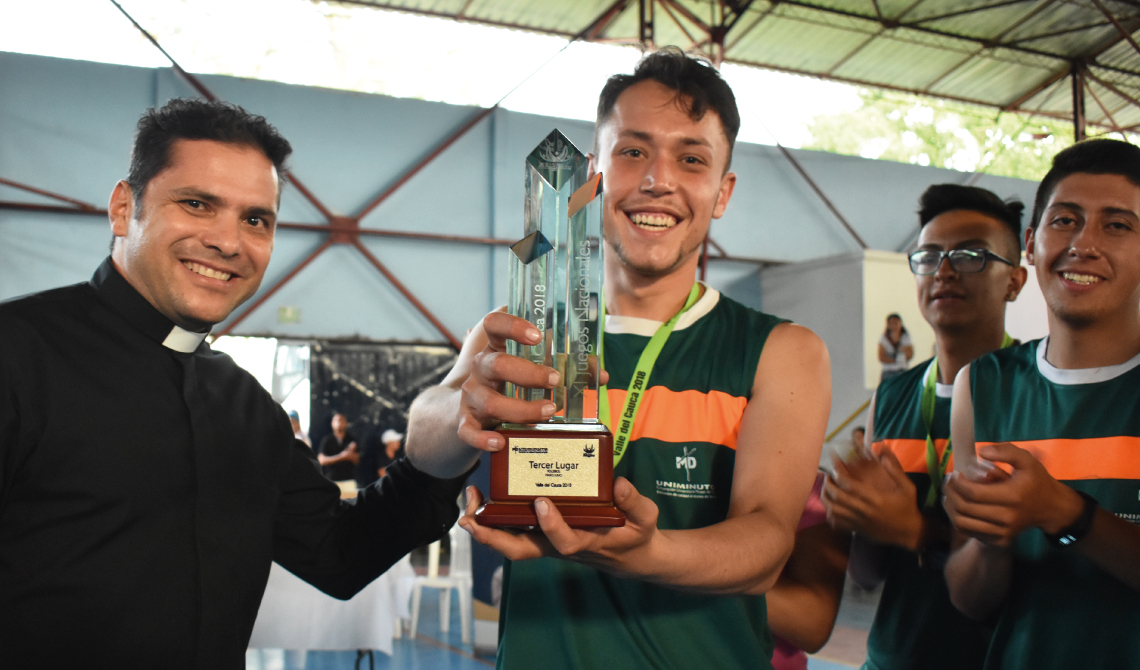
483	406
872	496
482	403
624	551
996	511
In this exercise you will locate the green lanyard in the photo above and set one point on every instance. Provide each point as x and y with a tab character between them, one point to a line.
934	467
640	381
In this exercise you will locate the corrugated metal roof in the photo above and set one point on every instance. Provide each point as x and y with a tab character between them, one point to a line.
1017	55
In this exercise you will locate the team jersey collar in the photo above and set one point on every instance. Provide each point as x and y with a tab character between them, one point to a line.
114	289
940	390
633	325
1082	375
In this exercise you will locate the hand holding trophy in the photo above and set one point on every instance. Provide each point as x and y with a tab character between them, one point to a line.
556	284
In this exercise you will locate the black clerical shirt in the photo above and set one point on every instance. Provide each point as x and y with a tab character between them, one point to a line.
147	482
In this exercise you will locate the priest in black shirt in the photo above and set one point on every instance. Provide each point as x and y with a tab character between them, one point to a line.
147	482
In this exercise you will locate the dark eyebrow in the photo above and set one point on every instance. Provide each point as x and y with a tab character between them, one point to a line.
696	141
965	244
197	194
1119	211
264	213
636	134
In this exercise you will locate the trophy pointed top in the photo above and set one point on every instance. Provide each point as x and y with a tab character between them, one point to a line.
532	247
554	155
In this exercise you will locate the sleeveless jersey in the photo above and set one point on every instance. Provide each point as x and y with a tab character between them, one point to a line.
915	625
558	614
1084	427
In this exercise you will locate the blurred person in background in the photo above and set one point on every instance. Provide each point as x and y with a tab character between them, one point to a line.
895	348
298	432
338	454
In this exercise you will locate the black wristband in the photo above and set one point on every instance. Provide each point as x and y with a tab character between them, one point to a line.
1079	528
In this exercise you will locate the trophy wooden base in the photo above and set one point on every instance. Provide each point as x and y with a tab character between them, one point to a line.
576	516
570	464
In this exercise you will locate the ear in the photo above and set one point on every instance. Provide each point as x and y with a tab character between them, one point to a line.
1017	278
727	184
121	209
592	166
1029	237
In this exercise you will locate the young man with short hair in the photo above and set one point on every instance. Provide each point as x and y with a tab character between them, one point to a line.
1045	514
681	584
147	482
967	269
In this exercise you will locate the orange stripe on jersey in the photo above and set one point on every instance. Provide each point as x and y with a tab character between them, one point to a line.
684	416
1090	458
912	453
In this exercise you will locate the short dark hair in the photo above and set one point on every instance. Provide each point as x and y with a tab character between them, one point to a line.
1099	156
942	198
894	315
694	79
192	119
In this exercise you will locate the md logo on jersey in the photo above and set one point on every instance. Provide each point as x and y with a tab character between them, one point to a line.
688	461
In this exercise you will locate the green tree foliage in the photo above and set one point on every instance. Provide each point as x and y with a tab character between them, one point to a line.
942	133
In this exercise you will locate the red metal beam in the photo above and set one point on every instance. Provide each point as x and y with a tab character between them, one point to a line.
54	196
684	11
455	342
1058	33
52	209
207	94
1077	77
961	12
1123	33
822	196
1096	98
274	289
599	25
1112	88
400	234
677	22
415	169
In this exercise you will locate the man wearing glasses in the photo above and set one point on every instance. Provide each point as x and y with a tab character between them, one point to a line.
1046	537
966	269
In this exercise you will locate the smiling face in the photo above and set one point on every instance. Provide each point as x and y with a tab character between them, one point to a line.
953	301
664	180
1086	249
198	242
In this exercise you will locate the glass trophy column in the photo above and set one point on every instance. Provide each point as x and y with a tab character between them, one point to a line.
556	284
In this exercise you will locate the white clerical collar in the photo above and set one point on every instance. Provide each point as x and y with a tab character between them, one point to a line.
183	341
1080	375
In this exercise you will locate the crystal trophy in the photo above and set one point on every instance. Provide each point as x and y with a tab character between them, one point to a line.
556	284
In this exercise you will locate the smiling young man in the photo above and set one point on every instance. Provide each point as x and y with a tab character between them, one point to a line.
146	482
744	394
1047	539
966	270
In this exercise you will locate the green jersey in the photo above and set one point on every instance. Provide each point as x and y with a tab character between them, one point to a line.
558	614
915	625
1084	427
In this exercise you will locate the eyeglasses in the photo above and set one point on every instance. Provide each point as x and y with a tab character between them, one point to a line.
965	261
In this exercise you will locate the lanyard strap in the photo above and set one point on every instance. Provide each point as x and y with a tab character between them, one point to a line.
640	381
935	466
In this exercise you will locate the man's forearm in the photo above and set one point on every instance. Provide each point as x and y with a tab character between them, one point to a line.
434	446
978	576
1113	544
743	554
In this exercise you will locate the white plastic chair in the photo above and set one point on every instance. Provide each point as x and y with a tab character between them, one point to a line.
458	578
